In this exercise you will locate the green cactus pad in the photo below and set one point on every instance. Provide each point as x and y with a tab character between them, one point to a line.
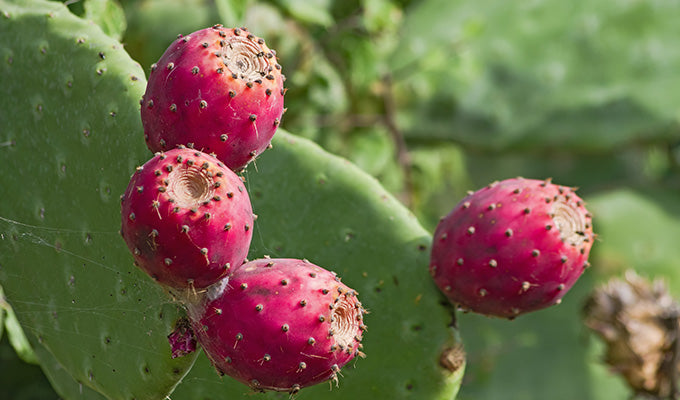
70	136
61	380
655	252
313	205
579	75
3	314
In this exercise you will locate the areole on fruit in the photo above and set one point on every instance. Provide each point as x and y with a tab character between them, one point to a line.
190	186
344	320
245	58
569	221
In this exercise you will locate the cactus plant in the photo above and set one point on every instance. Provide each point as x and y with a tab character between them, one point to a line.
503	95
73	135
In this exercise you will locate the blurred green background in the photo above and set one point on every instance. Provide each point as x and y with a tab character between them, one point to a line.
438	97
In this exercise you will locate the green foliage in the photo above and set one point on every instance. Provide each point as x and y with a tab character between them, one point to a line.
109	15
647	219
15	334
154	24
20	380
231	11
584	75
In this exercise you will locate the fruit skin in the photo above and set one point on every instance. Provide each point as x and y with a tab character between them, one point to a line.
280	324
512	247
186	218
218	90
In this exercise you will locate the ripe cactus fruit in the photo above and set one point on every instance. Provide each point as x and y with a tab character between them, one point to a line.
280	324
218	90
512	247
186	218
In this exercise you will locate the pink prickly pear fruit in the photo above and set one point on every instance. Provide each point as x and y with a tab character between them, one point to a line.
218	90
281	325
186	218
512	247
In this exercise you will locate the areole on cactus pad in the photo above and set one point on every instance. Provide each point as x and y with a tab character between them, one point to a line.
280	324
512	247
218	90
186	218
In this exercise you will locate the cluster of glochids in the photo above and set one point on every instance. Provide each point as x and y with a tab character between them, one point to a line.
512	247
212	104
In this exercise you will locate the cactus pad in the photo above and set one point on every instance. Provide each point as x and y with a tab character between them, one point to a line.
70	138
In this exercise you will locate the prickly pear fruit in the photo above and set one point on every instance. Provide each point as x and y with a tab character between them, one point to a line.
512	247
218	90
280	324
186	218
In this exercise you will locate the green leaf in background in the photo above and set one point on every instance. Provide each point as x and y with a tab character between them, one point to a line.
19	380
108	14
585	75
310	11
15	334
381	15
542	355
440	180
154	24
638	229
231	11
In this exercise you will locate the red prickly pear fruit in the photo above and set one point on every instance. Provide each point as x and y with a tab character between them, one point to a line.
512	247
218	90
280	324
186	218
